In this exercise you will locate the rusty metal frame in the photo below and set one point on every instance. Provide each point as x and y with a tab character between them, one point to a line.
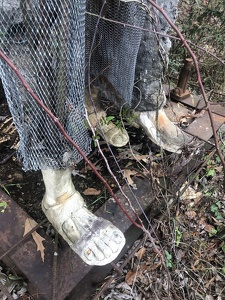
73	274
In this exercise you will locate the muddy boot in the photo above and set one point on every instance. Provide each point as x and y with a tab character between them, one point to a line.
96	240
114	135
162	131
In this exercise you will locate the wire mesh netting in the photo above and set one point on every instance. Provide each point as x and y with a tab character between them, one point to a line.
115	47
46	42
58	52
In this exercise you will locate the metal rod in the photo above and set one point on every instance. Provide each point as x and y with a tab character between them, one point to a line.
185	75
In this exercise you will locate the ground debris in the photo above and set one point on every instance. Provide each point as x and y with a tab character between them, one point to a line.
12	287
192	240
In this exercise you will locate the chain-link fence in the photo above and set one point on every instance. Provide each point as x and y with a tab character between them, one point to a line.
48	43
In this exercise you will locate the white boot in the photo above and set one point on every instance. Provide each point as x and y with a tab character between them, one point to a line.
162	131
96	240
115	136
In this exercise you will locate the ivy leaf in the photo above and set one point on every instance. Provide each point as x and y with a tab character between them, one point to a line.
211	172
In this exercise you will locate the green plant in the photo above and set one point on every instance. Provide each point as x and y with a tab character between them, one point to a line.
178	235
215	209
210	172
223	249
202	23
106	120
129	116
3	206
96	201
168	259
3	186
213	232
95	139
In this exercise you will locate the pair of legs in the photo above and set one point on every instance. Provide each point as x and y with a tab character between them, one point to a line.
58	44
94	239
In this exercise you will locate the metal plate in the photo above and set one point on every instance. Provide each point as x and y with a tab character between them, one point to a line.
73	275
201	127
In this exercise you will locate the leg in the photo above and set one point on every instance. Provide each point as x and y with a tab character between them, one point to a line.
162	131
96	240
115	136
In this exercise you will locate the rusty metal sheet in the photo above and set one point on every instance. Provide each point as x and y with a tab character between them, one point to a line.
194	102
73	275
218	109
25	256
201	127
199	103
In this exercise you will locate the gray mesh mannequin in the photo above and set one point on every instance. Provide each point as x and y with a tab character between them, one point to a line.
46	41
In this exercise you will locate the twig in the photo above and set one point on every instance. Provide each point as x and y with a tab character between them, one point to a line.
118	270
89	88
7	157
203	164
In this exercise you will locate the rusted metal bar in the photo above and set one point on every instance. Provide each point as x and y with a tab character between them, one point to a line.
23	239
185	75
181	91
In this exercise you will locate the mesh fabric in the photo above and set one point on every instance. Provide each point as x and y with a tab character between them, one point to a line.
46	42
59	53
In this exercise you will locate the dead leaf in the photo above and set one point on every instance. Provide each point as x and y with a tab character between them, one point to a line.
216	221
219	169
141	253
128	173
180	254
144	158
157	170
190	194
154	266
91	192
207	227
29	225
210	282
191	214
132	276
